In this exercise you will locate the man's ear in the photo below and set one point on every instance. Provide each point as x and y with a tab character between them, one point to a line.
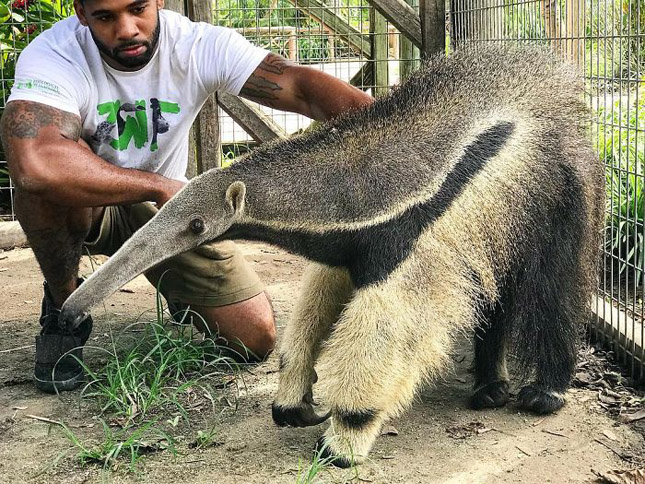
80	12
235	196
160	4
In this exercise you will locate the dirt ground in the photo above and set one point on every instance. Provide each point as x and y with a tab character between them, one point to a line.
438	440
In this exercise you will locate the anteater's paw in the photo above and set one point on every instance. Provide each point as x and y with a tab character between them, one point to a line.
302	415
491	395
324	452
538	400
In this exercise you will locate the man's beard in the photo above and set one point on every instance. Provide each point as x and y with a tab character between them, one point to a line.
130	62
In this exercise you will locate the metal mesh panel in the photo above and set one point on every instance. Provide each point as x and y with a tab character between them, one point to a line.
605	38
20	22
339	37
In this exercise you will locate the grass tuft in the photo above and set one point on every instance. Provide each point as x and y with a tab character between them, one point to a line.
130	443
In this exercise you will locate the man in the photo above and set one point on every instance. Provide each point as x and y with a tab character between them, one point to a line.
98	122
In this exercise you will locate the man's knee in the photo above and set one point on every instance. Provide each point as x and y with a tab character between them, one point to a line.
246	325
266	336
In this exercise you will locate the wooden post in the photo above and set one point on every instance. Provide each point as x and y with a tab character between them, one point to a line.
552	25
207	137
191	169
176	6
574	21
378	31
433	26
408	52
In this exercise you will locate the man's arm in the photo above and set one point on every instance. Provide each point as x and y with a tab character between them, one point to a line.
281	84
46	159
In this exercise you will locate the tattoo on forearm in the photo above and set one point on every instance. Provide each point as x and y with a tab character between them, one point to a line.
262	89
274	63
24	119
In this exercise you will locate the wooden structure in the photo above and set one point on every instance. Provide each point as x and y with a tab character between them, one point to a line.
424	31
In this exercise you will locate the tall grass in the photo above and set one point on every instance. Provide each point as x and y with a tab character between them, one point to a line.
153	369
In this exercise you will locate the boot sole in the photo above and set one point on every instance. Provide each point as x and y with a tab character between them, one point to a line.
50	386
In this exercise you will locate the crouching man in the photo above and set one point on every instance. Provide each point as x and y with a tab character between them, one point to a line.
96	128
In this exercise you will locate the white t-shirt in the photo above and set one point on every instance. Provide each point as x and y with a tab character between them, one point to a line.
137	119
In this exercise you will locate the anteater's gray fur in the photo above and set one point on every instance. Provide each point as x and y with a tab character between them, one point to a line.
467	200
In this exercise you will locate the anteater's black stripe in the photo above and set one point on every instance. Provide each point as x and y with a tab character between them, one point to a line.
356	419
372	253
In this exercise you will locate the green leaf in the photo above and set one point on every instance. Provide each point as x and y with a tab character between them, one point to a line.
5	12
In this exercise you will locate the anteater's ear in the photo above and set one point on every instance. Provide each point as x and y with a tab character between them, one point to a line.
235	196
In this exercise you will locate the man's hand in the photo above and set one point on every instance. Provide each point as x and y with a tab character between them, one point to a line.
169	189
281	84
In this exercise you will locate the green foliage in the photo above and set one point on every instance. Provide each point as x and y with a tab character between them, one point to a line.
130	443
312	43
4	177
615	49
621	144
21	21
163	369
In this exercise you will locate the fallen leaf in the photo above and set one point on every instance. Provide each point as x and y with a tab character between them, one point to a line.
633	417
465	431
387	457
125	289
634	476
20	408
390	431
610	435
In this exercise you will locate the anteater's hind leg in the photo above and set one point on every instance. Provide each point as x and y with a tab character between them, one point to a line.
384	344
325	292
552	294
548	340
491	376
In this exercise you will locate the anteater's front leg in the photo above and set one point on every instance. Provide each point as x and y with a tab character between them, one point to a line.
382	347
325	292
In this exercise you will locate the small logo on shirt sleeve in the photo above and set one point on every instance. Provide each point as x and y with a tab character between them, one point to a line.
37	85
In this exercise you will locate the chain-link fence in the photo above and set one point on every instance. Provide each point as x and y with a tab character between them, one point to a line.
350	40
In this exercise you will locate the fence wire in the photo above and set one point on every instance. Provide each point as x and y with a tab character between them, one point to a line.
345	38
605	38
350	40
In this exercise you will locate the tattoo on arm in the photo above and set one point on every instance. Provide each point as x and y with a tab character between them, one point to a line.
24	119
262	89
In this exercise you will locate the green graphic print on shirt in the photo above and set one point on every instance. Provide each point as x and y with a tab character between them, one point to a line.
130	127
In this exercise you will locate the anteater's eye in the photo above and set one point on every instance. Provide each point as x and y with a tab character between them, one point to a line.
197	225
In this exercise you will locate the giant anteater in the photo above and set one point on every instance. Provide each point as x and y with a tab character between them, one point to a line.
468	199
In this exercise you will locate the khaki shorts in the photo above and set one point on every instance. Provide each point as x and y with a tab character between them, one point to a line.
213	274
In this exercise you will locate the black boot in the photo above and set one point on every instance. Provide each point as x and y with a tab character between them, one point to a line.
53	373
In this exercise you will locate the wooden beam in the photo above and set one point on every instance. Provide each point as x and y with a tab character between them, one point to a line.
402	16
207	137
176	6
378	30
575	20
408	53
433	26
256	123
364	78
338	25
191	169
